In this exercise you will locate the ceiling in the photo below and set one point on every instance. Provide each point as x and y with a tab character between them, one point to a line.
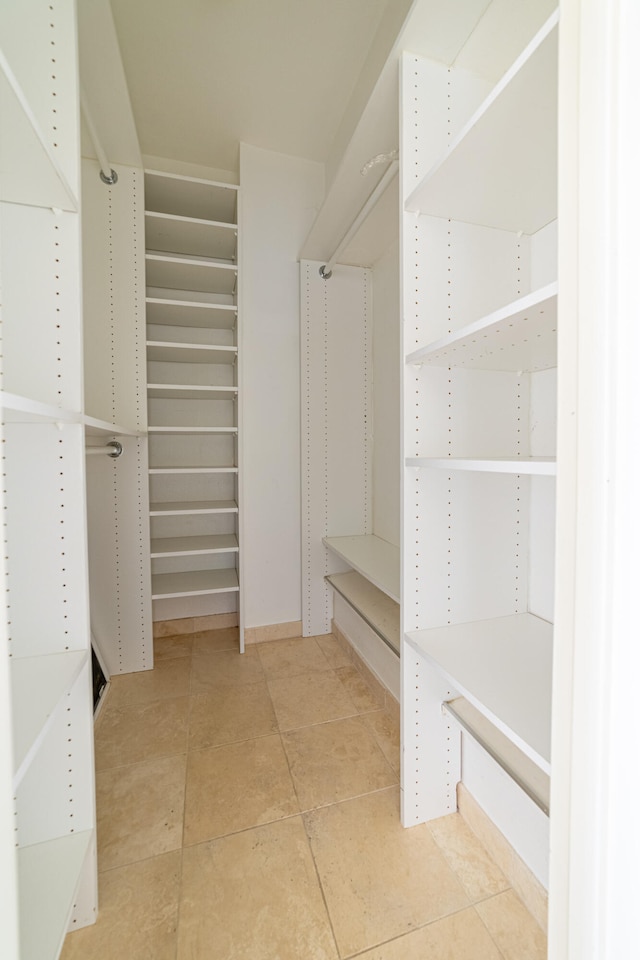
204	75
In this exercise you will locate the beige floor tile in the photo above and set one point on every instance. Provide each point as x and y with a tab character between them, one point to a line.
234	713
254	896
168	648
310	698
513	928
212	641
379	880
334	761
385	727
462	936
168	679
463	852
227	668
140	810
334	652
237	786
138	916
290	658
132	732
365	697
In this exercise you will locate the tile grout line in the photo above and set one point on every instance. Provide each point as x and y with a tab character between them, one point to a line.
493	939
309	846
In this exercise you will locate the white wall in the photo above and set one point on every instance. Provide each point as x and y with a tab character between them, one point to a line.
280	196
386	397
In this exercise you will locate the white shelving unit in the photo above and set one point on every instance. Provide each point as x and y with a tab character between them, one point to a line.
47	855
373	558
193	393
479	433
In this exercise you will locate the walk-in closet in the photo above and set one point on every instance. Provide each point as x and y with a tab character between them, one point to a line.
318	404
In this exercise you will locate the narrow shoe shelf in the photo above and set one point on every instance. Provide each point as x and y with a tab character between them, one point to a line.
190	196
169	233
187	391
193	546
191	429
191	313
174	508
167	352
190	273
187	469
193	583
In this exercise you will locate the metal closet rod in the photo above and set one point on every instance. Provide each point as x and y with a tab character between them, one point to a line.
107	174
374	196
112	449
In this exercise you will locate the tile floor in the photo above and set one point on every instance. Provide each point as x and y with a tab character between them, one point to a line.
248	810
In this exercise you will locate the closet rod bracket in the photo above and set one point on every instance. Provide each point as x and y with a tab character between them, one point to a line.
109	179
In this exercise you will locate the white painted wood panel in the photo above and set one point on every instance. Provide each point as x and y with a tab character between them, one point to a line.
41	320
336	406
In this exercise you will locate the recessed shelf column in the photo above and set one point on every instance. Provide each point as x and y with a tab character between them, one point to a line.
194	396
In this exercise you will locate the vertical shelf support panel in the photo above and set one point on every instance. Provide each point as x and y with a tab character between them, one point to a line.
431	744
336	425
115	358
117	506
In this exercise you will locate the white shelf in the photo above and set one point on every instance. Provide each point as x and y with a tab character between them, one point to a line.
167	352
375	607
38	685
19	409
30	172
503	667
194	546
500	171
175	508
192	429
191	313
185	469
102	428
48	878
538	466
519	336
185	391
193	583
372	557
190	235
190	196
528	775
189	273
